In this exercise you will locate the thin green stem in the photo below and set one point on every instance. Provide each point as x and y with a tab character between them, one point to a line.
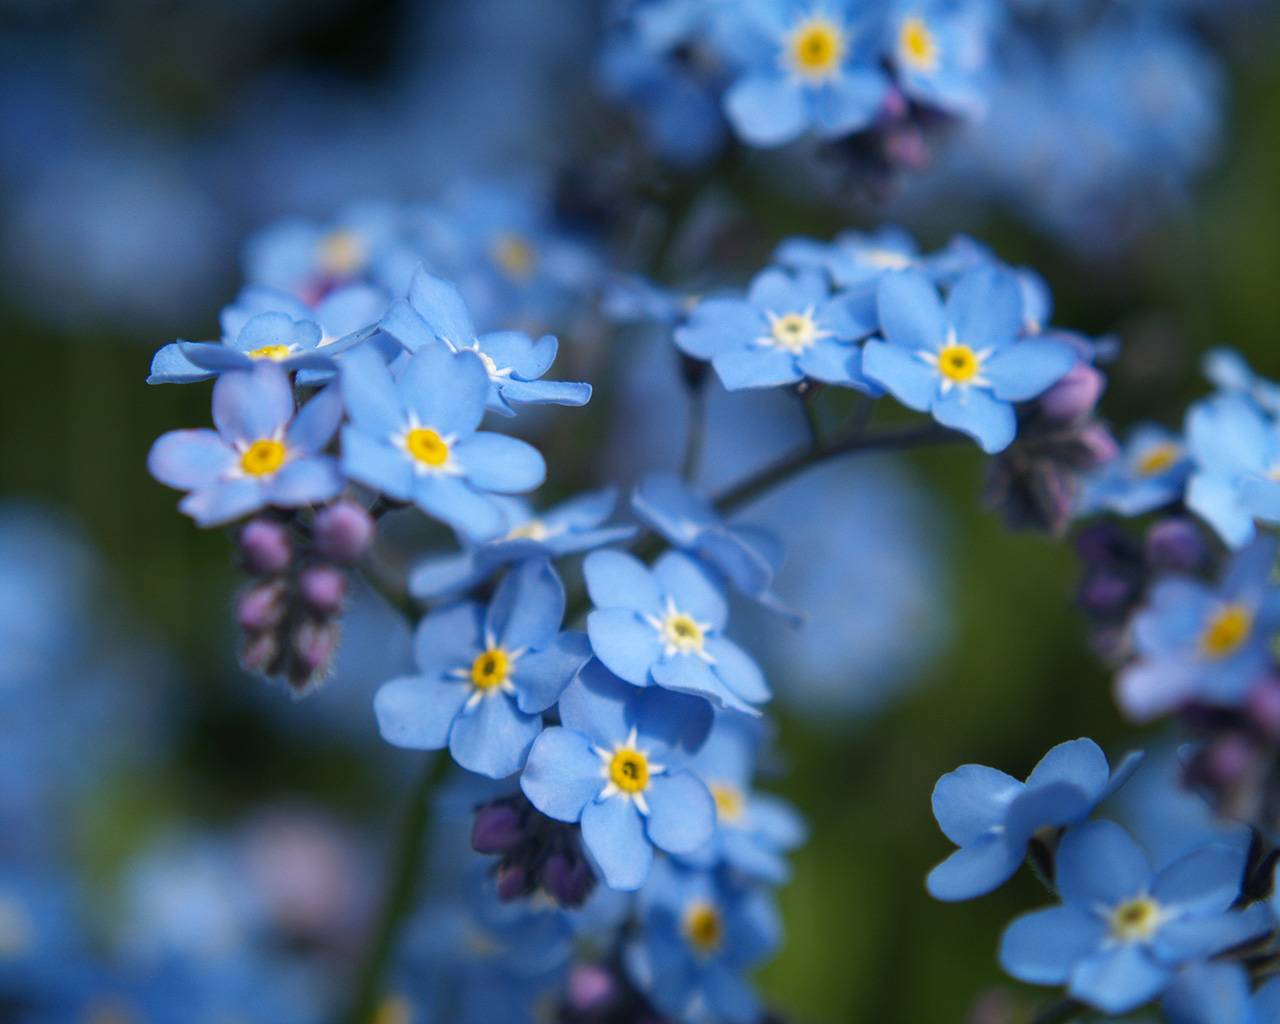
697	434
403	873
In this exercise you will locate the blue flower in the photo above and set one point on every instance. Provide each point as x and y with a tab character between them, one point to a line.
753	830
748	557
1149	473
806	65
1236	451
435	312
1201	643
963	362
1216	993
701	935
992	816
939	50
486	675
571	527
1122	931
788	328
665	626
261	454
853	257
414	438
614	765
1227	369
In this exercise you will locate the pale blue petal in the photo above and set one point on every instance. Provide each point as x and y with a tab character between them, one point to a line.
369	393
454	501
756	367
1099	863
737	670
170	366
767	110
1217	500
991	422
189	458
317	421
687	673
417	712
253	404
985	308
682	814
613	832
1043	947
1206	880
376	464
848	103
528	606
1080	762
1119	980
494	737
517	352
446	390
719	325
441	307
305	481
223	501
1212	993
541	676
975	869
1028	369
692	590
626	644
546	392
595	704
911	314
450	638
909	379
618	580
562	774
496	462
972	800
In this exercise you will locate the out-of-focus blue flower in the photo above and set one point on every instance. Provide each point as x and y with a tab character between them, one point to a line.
414	438
992	816
434	313
754	830
854	257
748	557
939	51
486	675
664	626
1213	993
1236	451
701	934
787	328
292	344
1122	931
1201	643
962	362
1266	1001
40	937
1228	371
261	454
614	765
1149	473
804	66
569	528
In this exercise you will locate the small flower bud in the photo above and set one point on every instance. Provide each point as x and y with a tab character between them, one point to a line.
314	645
1075	395
591	988
1106	594
265	547
261	607
1176	545
567	880
1097	445
323	588
259	652
497	829
513	882
1263	704
1227	762
343	532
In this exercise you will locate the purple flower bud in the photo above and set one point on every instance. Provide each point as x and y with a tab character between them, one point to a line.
343	532
1176	545
513	882
265	547
323	588
1106	593
1098	445
261	607
259	653
895	106
1075	395
567	880
1227	762
1263	703
591	988
313	645
497	829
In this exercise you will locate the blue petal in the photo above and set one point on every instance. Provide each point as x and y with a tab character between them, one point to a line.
449	638
189	458
985	308
832	362
170	366
691	589
1228	435
737	670
595	704
613	832
376	464
1119	980
972	800
766	110
911	313
562	774
515	351
496	462
975	869
1044	946
215	358
625	643
1217	500
494	737
417	712
719	325
682	814
252	404
446	390
1028	369
403	323
528	606
1080	762
909	379
1204	881
1212	993
584	511
305	481
667	719
369	393
223	501
1099	863
756	367
617	580
988	420
546	392
454	501
441	307
1196	937
541	676
317	421
687	673
446	575
849	103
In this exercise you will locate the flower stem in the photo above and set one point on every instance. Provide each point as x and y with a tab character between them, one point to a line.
401	891
1061	1012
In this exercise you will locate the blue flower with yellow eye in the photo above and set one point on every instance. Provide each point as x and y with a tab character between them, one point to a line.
787	328
938	49
260	454
664	627
992	816
1229	372
414	438
805	66
1149	473
702	934
965	362
487	675
853	257
573	526
615	765
1235	448
1203	644
1122	931
435	313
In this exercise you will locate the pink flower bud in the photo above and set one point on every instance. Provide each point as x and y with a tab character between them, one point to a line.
323	588
343	532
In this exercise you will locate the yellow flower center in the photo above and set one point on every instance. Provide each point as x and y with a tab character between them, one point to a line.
264	457
703	928
515	256
887	259
794	331
916	46
273	352
341	253
629	770
534	529
682	633
730	803
1135	920
394	1010
815	48
490	669
1158	458
958	363
1228	628
428	447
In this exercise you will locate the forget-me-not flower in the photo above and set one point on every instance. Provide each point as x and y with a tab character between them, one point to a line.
1200	643
435	313
938	49
787	328
1235	447
414	438
614	764
486	674
1229	371
260	454
962	361
1150	472
853	257
992	816
664	626
1122	931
